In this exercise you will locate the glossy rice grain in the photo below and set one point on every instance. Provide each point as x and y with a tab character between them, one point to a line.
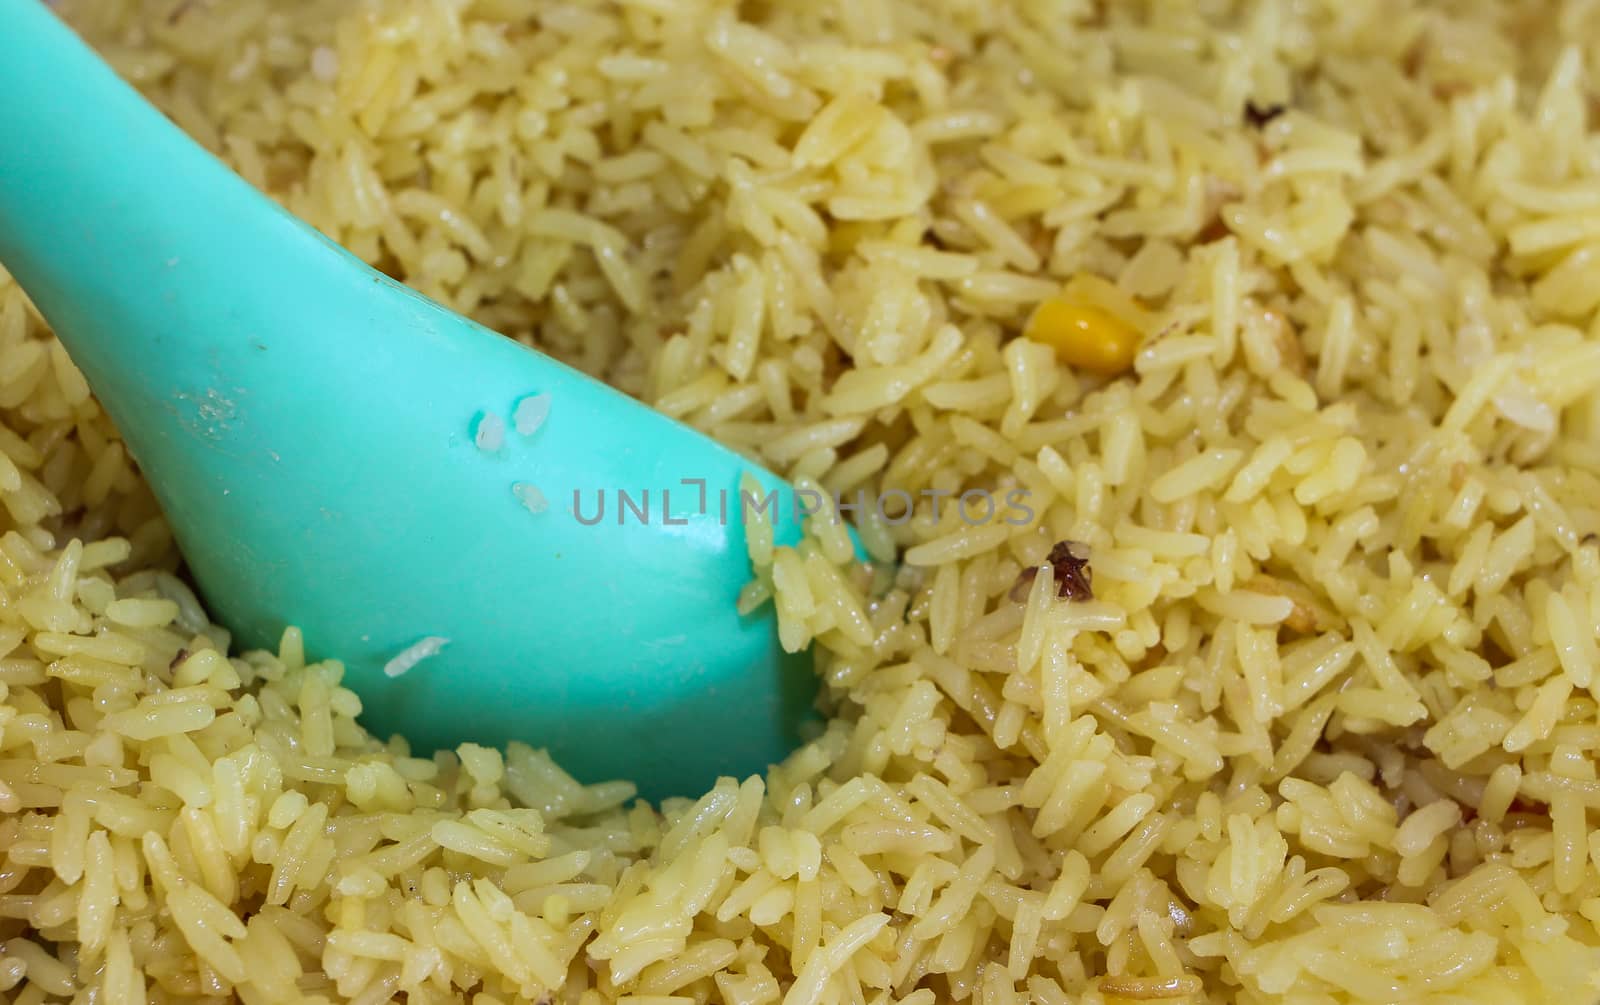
1324	730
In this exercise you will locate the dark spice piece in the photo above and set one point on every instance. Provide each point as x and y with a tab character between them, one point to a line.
182	655
1074	578
1069	562
1260	115
1527	806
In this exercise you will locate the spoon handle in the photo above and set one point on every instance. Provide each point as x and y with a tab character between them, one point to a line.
129	237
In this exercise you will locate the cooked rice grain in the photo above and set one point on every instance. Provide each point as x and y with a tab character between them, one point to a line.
1325	732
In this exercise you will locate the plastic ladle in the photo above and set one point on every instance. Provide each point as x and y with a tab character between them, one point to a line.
336	452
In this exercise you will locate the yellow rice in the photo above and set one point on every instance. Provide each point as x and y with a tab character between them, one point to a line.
1326	732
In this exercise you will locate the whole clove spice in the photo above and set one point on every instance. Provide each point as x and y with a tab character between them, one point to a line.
1069	566
1259	115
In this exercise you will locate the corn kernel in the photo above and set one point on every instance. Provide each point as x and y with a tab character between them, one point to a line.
1084	337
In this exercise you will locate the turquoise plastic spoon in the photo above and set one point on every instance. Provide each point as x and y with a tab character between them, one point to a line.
336	452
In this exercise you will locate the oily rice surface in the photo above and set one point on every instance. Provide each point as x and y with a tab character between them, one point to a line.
1326	730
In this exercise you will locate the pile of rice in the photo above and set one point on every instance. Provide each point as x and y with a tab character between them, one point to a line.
1327	731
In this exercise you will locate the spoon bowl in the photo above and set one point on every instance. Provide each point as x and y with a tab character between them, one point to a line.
416	493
